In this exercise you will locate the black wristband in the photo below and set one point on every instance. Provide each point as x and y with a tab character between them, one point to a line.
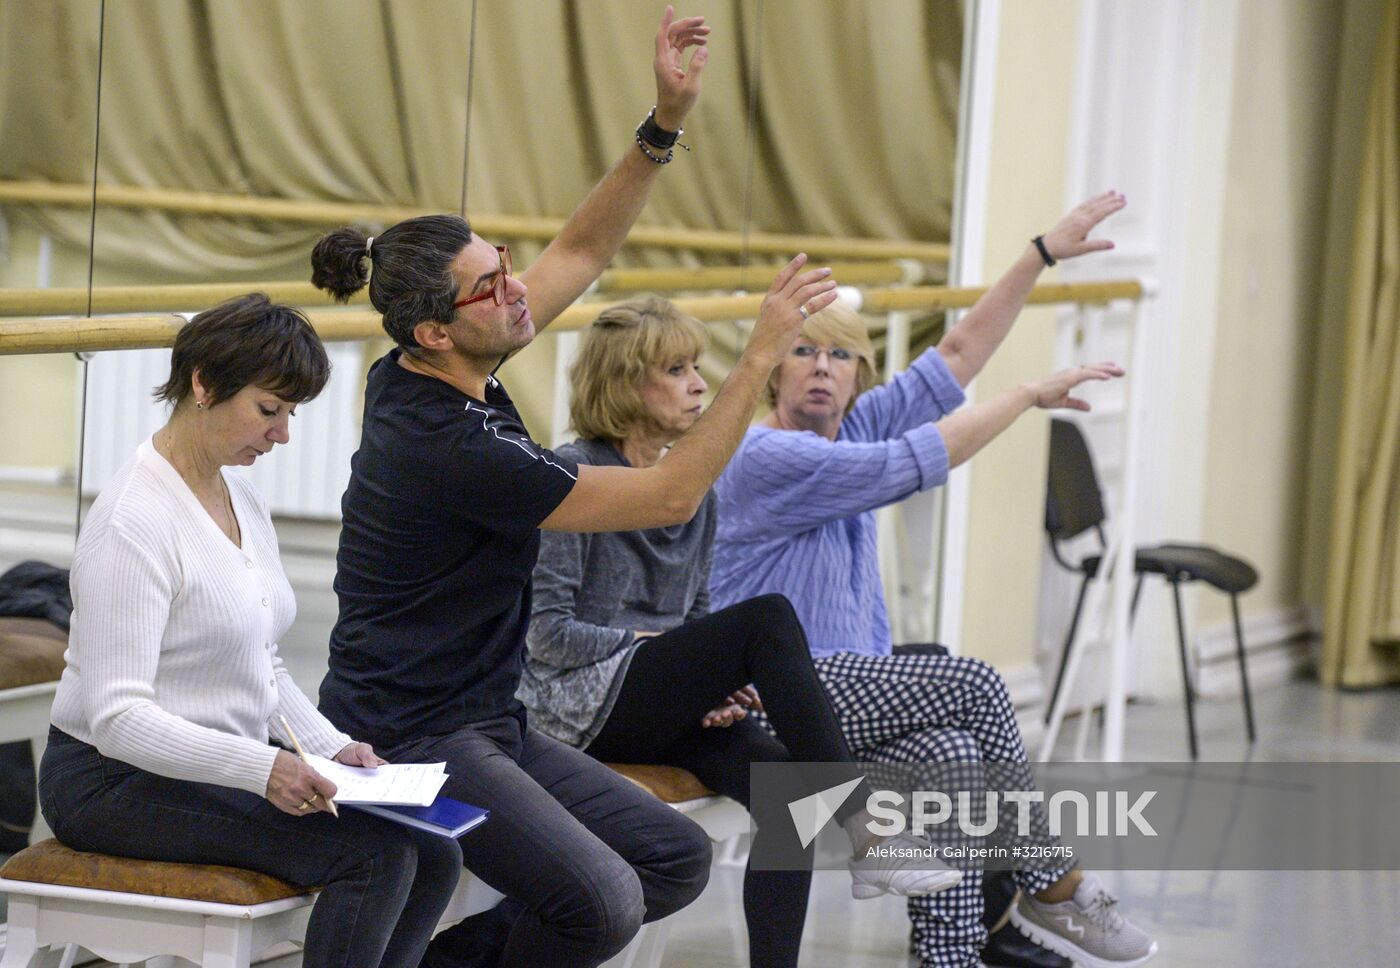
655	134
1039	241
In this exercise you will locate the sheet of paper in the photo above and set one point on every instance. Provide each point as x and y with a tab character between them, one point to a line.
405	784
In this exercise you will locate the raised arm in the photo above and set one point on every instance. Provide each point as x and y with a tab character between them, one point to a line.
794	481
924	392
797	480
626	499
597	228
968	345
972	428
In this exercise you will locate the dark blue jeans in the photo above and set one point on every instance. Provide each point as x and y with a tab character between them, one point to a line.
384	886
586	854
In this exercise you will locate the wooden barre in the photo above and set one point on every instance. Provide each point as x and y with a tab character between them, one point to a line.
505	226
754	278
929	298
34	335
194	297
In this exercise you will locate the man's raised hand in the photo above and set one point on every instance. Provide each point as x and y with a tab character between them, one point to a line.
678	84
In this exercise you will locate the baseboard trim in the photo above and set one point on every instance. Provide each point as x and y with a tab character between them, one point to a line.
56	476
1024	683
36	521
1278	647
1028	695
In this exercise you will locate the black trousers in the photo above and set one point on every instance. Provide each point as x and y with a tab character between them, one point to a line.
677	677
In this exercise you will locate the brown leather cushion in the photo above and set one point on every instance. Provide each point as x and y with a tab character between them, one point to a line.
669	784
31	650
49	862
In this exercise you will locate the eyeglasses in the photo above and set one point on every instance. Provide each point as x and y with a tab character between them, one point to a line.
498	284
838	353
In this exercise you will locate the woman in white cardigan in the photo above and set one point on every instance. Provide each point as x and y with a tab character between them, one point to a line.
164	722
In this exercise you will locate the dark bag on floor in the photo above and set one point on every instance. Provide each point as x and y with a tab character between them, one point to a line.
35	606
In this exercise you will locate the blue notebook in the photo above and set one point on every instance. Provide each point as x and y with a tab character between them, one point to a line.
444	816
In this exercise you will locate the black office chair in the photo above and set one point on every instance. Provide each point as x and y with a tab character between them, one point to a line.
1074	504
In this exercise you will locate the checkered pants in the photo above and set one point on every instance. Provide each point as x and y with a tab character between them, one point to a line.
932	709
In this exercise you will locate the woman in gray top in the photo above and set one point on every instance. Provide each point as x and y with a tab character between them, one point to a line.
625	661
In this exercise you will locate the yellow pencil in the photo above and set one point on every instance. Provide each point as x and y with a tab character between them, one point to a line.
330	804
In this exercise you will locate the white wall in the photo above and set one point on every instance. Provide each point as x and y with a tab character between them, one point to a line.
1236	209
1026	178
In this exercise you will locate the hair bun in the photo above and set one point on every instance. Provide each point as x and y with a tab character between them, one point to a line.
338	263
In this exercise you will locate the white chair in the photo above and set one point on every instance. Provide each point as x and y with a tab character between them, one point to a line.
131	912
233	917
720	817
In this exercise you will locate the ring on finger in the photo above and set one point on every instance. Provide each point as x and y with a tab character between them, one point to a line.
314	797
305	805
802	311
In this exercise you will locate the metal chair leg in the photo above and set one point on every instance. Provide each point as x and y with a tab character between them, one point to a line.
1244	675
1064	653
1185	669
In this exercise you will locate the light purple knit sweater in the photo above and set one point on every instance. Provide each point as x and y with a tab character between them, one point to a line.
796	511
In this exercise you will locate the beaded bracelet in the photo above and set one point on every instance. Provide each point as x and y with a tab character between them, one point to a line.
649	133
659	159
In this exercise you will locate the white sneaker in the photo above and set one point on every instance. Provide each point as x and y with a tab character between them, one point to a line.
902	865
1087	929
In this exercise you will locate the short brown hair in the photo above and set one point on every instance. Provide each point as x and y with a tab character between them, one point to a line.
248	340
839	325
624	342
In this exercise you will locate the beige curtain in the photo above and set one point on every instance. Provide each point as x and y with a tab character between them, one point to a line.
1362	625
299	99
366	100
818	116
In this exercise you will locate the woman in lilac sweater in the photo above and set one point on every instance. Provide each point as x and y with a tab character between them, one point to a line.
797	516
626	660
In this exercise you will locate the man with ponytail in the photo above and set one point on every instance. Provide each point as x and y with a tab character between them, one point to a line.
441	530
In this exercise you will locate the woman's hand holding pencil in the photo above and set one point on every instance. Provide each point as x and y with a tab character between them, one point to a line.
294	787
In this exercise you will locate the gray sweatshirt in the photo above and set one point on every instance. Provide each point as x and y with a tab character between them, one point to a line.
591	593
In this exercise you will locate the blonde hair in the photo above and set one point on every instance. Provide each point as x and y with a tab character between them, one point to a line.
838	325
623	343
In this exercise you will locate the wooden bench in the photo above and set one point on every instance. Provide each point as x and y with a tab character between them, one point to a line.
130	911
31	661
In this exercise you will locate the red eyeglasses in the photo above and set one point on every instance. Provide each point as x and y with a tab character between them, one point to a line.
498	284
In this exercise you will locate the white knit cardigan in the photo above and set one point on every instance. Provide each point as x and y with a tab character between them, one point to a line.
172	656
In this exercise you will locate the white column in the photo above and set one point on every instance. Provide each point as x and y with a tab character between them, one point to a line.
565	349
969	235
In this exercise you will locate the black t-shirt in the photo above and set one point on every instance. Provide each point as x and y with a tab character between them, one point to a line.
439	537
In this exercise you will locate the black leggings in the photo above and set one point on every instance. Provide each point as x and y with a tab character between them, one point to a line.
675	678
